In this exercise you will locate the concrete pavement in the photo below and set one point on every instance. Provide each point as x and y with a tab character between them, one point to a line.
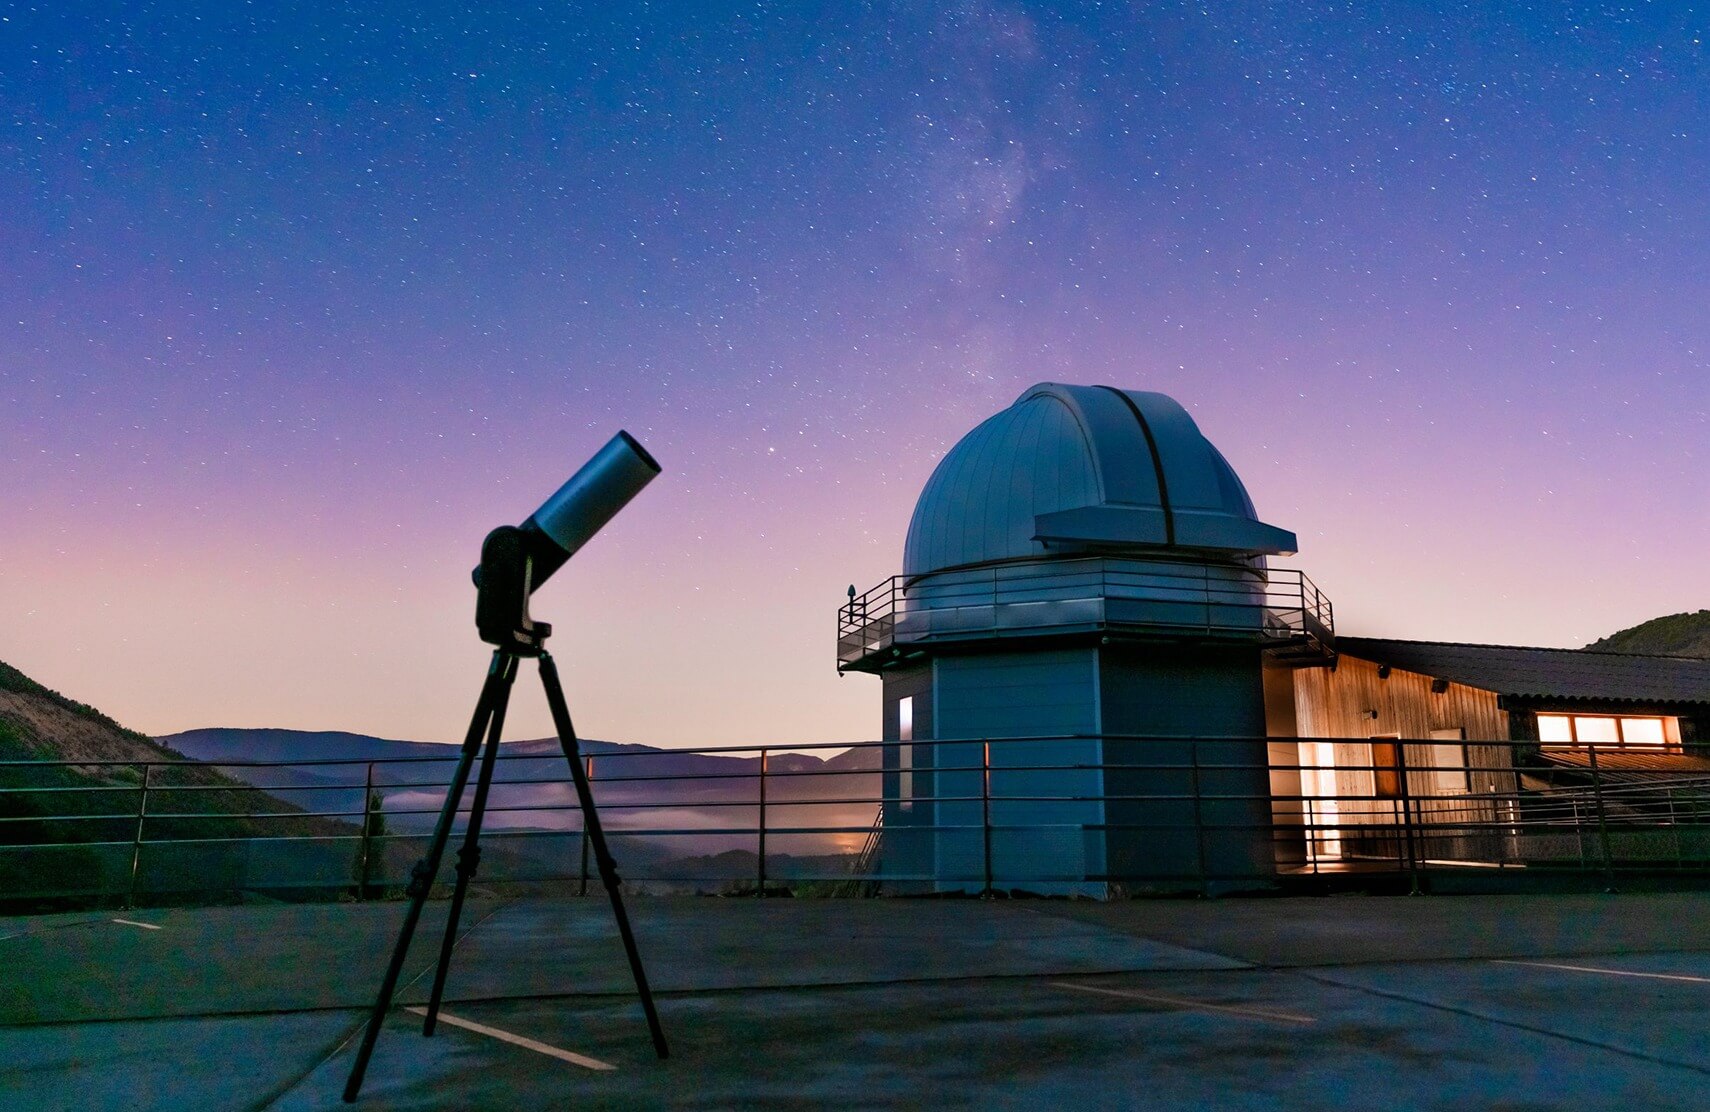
1519	1002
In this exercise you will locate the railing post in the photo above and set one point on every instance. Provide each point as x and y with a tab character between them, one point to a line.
1313	846
760	864
588	764
1400	822
1674	828
1602	819
1579	833
137	839
1407	828
986	813
1198	817
367	828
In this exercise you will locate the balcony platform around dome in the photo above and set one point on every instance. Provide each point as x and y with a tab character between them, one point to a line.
905	618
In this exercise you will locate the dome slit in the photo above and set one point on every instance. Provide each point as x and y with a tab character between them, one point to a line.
1157	464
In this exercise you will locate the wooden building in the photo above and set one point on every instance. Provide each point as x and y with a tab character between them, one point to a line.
1393	721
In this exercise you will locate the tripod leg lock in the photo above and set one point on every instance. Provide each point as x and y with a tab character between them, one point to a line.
604	860
609	873
421	880
468	860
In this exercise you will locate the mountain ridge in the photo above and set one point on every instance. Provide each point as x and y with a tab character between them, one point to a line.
1683	634
78	794
218	744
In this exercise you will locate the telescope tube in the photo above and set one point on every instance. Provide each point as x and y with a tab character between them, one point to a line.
594	495
582	506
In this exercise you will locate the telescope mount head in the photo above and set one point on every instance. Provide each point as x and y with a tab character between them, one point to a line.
504	583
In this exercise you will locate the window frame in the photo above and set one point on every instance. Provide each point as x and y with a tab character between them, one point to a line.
1450	779
1670	731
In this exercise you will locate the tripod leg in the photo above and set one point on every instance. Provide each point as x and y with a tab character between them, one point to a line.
593	832
421	877
469	856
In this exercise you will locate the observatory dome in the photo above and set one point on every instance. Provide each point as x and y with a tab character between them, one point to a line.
1077	470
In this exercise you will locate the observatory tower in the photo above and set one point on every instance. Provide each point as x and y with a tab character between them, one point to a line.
1084	587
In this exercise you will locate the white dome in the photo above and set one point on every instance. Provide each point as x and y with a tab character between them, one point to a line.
1073	470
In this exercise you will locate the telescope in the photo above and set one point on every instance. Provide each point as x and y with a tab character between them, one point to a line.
515	561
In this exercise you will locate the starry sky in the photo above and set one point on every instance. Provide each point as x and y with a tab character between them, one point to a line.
299	299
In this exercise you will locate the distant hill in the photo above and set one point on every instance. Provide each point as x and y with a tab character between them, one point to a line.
321	759
239	744
75	840
1674	635
637	787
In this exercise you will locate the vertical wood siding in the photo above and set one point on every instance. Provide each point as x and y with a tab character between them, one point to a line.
1337	703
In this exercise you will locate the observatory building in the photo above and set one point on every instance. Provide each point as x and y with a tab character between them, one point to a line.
1084	583
1115	680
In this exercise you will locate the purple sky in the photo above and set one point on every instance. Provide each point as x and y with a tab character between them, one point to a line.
302	299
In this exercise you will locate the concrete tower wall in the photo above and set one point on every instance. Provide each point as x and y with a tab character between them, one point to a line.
1052	695
1176	692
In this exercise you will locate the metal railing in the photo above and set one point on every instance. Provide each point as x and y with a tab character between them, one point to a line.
1084	814
1278	607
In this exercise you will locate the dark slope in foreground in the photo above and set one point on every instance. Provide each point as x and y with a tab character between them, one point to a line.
89	812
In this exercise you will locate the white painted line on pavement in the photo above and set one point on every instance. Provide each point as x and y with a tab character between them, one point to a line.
1194	1005
1609	972
134	923
517	1040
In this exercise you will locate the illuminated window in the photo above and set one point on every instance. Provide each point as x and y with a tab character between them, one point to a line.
1614	731
905	753
1642	731
1596	730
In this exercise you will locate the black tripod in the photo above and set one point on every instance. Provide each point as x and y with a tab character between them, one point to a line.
489	720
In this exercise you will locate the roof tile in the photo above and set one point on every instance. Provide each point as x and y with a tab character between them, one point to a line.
1525	672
